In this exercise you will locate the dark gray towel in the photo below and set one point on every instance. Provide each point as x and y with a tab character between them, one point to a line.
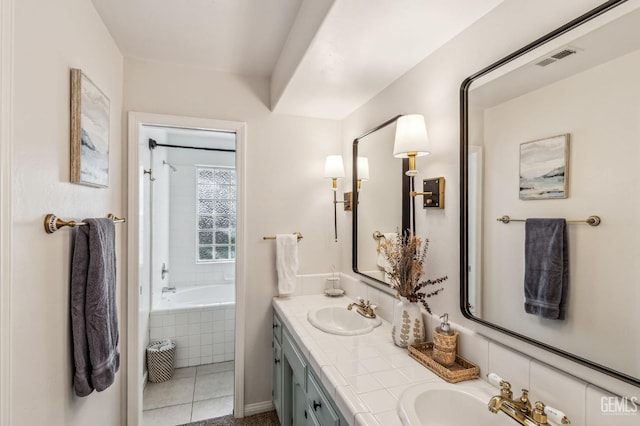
546	273
94	316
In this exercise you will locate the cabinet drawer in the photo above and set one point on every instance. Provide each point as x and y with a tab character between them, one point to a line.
295	359
319	404
277	328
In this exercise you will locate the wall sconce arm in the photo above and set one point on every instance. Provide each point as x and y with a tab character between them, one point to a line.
433	192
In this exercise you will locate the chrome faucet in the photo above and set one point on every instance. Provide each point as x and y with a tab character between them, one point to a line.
520	409
365	308
169	289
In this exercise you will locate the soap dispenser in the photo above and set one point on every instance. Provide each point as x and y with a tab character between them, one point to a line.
444	343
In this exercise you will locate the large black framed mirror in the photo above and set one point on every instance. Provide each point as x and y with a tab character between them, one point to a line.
381	204
578	83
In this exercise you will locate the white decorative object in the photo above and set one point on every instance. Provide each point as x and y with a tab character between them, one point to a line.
408	327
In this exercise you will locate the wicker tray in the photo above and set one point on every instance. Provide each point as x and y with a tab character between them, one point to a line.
460	371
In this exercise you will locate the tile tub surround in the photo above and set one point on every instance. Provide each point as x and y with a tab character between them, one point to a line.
202	335
367	374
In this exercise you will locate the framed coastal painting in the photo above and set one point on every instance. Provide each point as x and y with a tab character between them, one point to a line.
89	132
544	168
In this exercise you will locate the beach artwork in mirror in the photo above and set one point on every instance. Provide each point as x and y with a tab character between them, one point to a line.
544	168
580	80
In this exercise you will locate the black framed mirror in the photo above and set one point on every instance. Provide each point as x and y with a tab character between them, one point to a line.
382	204
576	84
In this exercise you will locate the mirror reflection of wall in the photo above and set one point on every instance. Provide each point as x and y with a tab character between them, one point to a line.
380	198
591	94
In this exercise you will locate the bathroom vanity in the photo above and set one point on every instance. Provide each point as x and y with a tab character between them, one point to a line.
298	397
321	378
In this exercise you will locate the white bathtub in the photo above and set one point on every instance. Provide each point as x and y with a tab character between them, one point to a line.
200	320
201	296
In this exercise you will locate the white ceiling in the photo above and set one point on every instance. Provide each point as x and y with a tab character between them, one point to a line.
326	58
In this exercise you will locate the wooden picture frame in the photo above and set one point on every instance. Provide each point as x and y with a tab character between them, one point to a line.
89	132
544	168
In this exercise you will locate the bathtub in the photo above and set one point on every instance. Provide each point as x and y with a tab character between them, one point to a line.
200	296
200	321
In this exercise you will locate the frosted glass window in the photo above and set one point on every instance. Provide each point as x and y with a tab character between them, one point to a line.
216	210
205	238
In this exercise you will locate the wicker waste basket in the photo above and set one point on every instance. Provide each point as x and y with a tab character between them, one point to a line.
160	355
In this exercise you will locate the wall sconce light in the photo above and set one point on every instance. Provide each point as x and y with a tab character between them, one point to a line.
334	170
411	140
363	170
363	176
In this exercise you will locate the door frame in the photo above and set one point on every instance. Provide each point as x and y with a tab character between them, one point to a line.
6	219
134	375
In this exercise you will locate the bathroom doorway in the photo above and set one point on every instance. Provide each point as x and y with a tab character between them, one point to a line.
188	268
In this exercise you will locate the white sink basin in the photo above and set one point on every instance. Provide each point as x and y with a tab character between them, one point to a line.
340	320
446	404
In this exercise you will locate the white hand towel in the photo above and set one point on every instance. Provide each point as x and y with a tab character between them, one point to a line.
286	263
382	260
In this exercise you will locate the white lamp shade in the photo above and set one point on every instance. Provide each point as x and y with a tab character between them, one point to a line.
333	167
363	168
411	136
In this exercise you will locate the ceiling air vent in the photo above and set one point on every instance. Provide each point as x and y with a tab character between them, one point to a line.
545	62
561	54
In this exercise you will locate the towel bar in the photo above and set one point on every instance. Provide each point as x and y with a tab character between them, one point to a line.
591	220
297	234
377	235
52	222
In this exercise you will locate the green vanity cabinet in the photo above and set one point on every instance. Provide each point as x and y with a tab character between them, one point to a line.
298	397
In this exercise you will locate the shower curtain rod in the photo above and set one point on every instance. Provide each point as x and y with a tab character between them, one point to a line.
153	144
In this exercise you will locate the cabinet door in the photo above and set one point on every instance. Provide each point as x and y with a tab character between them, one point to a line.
311	418
295	360
299	403
277	378
322	409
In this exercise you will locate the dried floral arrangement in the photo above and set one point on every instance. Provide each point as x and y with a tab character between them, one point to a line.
405	255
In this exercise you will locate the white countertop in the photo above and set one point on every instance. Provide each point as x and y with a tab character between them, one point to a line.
365	374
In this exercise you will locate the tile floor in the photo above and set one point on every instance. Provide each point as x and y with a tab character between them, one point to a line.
194	393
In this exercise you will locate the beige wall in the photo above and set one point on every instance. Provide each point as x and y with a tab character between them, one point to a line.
285	190
51	38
